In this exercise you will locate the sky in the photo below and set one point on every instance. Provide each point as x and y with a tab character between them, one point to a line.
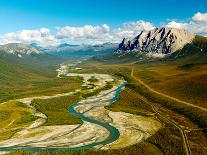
53	22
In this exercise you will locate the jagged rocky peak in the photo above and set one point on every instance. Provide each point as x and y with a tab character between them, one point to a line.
162	40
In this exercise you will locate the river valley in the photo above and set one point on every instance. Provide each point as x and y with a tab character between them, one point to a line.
101	128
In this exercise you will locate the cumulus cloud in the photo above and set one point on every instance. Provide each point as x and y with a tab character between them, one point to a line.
85	34
100	34
197	24
200	17
131	29
41	36
177	25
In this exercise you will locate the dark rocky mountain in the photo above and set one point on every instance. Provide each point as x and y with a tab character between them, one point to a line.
160	41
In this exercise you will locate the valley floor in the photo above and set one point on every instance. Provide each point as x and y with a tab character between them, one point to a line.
159	111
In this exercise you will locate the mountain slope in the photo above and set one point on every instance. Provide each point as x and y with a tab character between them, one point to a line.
27	55
159	41
19	50
196	50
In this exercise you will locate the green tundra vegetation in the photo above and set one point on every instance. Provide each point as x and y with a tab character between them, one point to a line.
27	118
131	102
14	116
93	79
18	81
183	81
56	109
107	86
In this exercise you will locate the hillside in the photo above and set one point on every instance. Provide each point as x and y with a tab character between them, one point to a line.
196	50
31	74
27	55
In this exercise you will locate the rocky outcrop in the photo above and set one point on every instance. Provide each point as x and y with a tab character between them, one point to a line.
162	40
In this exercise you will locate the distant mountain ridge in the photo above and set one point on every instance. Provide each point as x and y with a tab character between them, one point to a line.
66	45
162	41
35	51
27	55
81	50
19	50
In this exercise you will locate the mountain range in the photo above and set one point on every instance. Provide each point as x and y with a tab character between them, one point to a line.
160	42
65	50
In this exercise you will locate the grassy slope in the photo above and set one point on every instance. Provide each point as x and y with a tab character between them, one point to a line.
18	80
186	82
14	116
130	102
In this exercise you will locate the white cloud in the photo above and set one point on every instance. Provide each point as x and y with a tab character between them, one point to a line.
200	17
85	34
131	29
99	34
197	24
175	24
41	36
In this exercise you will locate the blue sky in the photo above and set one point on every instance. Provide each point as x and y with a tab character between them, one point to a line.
16	15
